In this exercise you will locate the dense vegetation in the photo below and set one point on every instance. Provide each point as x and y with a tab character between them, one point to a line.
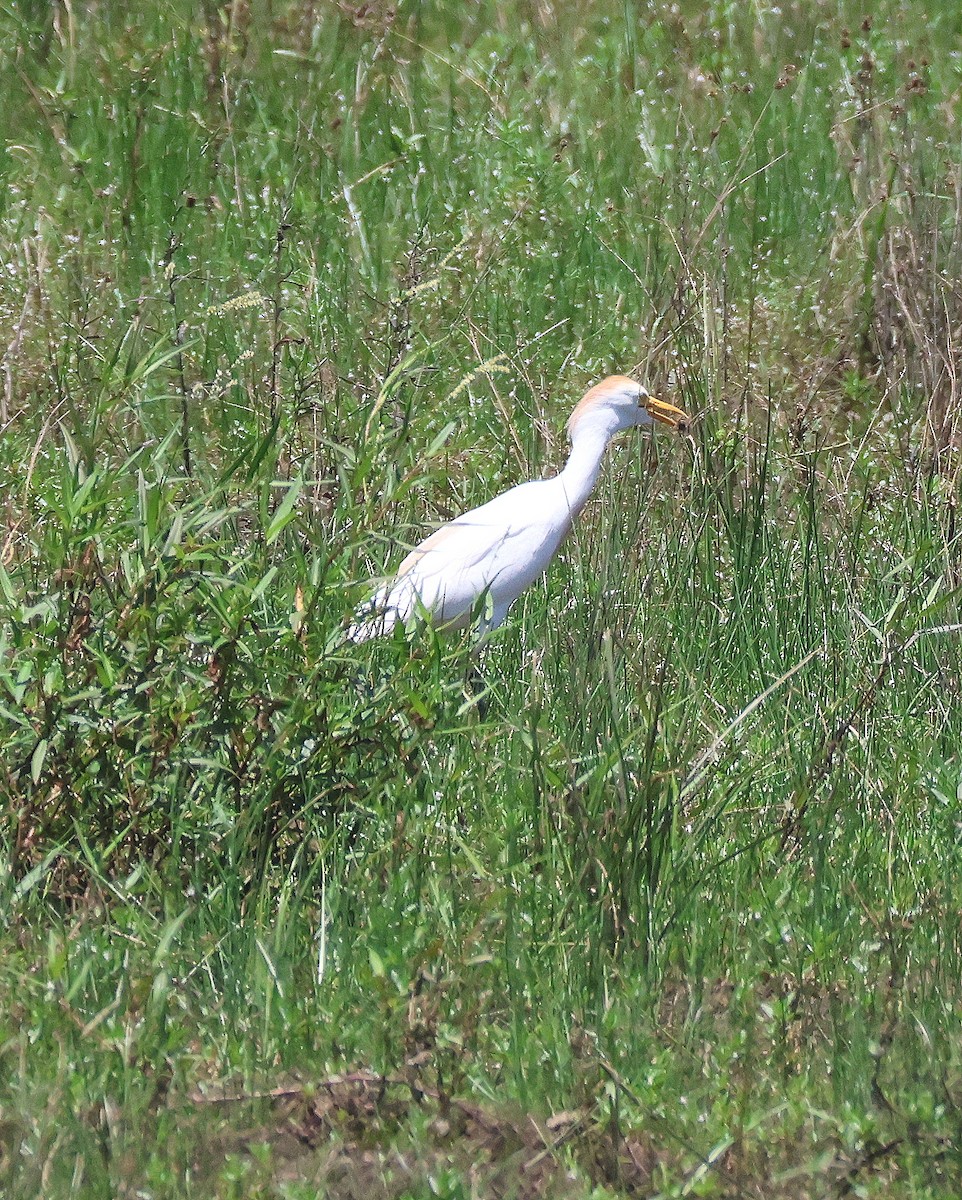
656	894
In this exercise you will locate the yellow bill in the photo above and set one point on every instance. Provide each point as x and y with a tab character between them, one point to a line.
667	414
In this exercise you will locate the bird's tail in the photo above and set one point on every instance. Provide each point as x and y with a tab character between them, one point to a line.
373	619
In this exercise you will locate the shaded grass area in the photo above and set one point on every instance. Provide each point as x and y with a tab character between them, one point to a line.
667	904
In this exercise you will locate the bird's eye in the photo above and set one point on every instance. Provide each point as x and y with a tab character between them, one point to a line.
682	427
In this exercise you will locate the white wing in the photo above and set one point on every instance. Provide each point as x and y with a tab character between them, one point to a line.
498	549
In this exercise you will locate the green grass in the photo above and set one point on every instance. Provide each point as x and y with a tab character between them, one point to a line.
286	285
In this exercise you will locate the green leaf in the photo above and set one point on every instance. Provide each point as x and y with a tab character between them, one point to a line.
441	440
37	759
285	511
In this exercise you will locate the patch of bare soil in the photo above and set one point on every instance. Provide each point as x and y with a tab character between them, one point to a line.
362	1136
368	1136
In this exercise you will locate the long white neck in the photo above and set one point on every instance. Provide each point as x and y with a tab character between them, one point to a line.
580	474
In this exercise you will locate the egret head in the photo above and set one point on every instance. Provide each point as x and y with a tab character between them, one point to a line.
620	403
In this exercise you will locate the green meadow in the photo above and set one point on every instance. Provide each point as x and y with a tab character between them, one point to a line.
658	891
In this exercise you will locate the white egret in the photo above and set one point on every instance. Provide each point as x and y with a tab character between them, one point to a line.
499	549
